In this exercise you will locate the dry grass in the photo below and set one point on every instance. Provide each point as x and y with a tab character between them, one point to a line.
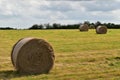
79	56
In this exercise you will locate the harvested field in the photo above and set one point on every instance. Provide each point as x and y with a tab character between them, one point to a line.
79	56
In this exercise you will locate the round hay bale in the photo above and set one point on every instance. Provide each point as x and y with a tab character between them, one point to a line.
84	27
32	56
101	30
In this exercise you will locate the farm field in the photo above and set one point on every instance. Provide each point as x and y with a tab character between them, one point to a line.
78	55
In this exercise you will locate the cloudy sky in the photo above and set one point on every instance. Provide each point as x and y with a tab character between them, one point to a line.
25	13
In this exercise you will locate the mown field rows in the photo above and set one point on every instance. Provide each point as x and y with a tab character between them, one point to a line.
79	55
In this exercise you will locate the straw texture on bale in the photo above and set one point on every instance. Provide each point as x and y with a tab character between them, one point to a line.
101	30
84	27
32	56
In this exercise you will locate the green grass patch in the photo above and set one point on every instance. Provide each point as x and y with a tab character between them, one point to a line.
79	55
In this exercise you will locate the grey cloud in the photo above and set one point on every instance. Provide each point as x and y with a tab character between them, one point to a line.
90	16
101	5
60	6
69	0
5	17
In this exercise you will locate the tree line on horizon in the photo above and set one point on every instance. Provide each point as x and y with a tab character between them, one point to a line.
68	26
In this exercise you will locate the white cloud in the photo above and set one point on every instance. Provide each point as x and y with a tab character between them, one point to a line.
101	5
25	13
116	14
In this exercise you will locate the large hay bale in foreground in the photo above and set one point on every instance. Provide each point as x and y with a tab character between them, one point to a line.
32	56
101	30
84	27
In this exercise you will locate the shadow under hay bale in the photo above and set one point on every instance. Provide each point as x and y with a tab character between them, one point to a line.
101	30
84	27
32	56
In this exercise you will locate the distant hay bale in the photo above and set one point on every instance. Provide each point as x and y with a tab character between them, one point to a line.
101	30
92	27
32	56
84	27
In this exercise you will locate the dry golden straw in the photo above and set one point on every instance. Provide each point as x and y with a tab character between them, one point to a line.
101	30
32	56
84	27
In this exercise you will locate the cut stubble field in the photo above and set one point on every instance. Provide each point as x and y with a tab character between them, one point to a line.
78	55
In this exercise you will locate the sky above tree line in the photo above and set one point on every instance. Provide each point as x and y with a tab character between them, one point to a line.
25	13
